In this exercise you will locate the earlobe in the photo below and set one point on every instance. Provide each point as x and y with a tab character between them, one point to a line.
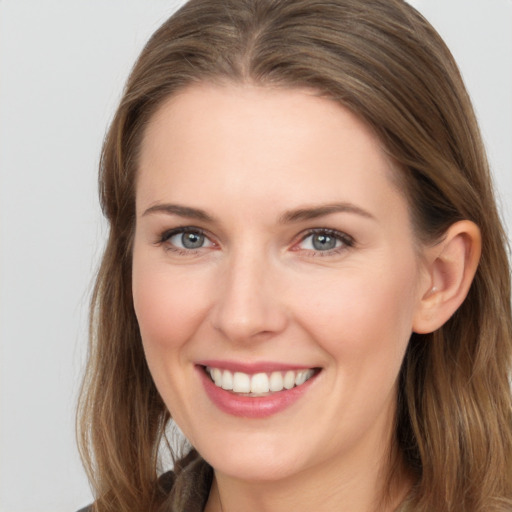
451	265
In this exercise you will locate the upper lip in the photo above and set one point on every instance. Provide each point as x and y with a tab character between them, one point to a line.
252	367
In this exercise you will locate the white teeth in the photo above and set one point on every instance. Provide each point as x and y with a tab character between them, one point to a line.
300	378
241	382
259	383
303	376
217	377
289	380
227	380
276	381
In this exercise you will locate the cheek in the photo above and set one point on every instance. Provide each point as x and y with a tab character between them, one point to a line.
362	316
168	306
169	309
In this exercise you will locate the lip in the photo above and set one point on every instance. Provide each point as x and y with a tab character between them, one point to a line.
251	368
252	407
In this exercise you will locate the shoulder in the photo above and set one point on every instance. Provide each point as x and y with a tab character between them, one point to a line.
187	487
189	484
165	481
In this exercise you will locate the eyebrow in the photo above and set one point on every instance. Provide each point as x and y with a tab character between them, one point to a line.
180	211
314	212
290	216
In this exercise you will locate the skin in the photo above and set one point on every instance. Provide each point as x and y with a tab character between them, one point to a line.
257	290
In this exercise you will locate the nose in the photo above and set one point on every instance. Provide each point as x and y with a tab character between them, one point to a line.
249	305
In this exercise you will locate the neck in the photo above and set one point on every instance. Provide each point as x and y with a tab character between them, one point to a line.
357	487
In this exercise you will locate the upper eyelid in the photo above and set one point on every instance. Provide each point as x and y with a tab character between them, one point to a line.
334	232
166	234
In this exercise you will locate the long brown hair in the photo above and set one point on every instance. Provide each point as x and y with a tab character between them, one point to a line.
383	61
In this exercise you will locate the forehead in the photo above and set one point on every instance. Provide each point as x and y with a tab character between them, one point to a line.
261	111
290	145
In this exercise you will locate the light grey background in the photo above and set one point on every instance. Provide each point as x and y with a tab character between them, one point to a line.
62	68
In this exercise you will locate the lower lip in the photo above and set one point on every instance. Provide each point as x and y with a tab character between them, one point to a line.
252	407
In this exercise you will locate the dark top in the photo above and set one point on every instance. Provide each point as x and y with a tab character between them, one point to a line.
188	486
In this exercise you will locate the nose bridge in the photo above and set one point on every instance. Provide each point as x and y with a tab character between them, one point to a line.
248	304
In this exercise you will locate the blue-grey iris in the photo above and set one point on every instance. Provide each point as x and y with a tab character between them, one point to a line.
322	242
191	240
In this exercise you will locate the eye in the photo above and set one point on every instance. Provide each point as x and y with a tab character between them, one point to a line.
325	241
186	239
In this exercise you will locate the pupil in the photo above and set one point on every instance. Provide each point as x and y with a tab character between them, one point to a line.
192	240
324	242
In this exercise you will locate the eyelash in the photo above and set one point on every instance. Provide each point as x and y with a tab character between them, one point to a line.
347	241
167	235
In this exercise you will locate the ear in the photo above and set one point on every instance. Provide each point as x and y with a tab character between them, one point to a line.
450	267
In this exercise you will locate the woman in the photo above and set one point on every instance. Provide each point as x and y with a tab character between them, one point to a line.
305	270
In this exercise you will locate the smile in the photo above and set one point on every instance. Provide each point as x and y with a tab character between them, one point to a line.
258	384
260	391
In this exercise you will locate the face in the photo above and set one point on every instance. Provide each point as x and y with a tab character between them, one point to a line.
276	279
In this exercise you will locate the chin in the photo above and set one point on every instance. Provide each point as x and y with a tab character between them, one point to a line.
255	470
255	460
